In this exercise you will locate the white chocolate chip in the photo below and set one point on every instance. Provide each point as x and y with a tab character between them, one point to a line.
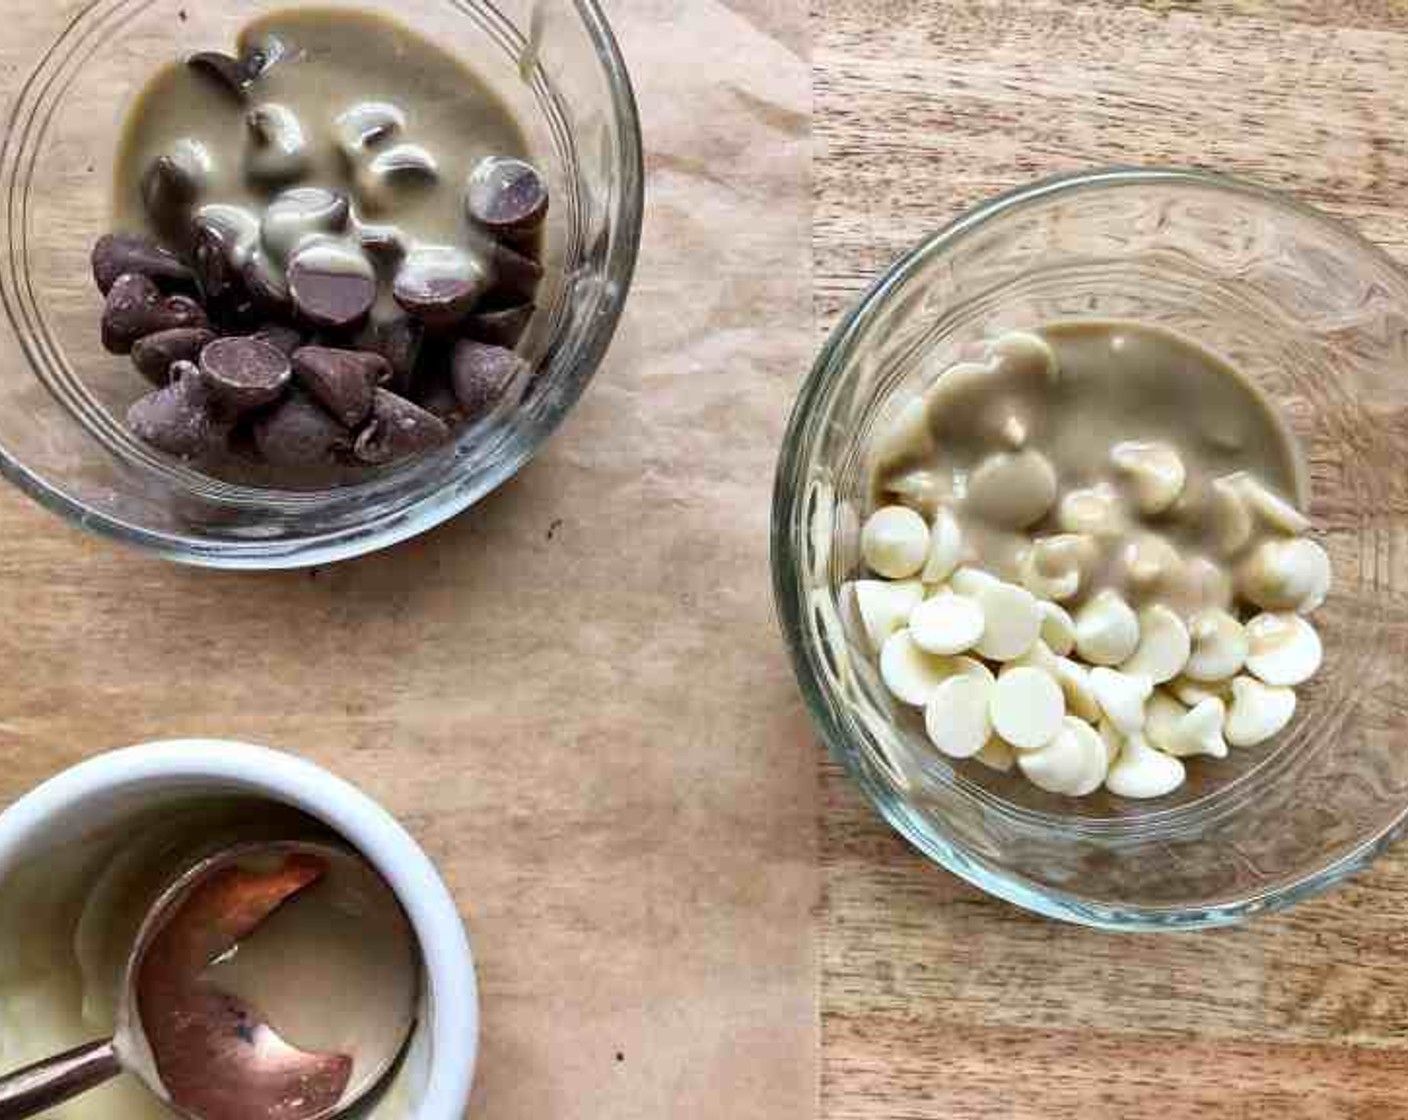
920	489
1284	649
1013	431
1200	583
1231	517
1074	680
1012	621
956	716
885	607
1184	732
1219	646
1286	575
947	624
895	542
972	581
1140	771
1012	489
1046	587
1164	645
1038	657
1149	560
997	755
1121	697
1107	629
1058	629
1203	727
1258	711
1074	762
973	668
908	435
1027	707
1269	506
909	673
1155	471
1054	567
945	547
1113	740
1191	693
1096	511
1025	353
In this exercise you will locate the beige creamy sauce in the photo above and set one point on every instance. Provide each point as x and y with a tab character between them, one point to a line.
987	425
328	969
332	61
68	923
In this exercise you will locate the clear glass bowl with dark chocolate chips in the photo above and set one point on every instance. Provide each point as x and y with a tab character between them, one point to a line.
287	284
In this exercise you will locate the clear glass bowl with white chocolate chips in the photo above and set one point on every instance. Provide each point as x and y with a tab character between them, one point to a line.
1084	546
353	265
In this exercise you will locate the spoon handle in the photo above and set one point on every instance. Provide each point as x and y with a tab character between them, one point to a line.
35	1088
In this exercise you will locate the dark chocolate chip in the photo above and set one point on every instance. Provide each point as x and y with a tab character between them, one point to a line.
299	213
154	355
242	374
506	195
259	57
169	190
237	316
342	381
300	433
500	328
231	307
135	308
266	287
120	254
218	240
397	431
179	419
439	284
229	74
386	243
366	126
483	376
516	278
281	338
392	173
399	341
331	286
278	149
439	400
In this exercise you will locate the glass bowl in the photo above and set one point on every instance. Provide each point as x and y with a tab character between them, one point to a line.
1318	318
554	62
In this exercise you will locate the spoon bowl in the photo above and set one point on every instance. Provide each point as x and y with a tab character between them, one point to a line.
250	929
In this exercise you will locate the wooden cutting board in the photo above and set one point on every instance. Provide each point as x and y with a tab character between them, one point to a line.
937	1001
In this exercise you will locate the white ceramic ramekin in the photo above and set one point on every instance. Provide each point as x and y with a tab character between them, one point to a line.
99	794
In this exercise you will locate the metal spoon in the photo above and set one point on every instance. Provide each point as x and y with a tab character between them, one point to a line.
207	1053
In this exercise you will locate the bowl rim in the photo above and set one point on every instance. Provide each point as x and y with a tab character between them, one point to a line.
790	495
453	1025
450	497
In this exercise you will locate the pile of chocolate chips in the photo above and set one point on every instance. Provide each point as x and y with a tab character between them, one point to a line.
299	375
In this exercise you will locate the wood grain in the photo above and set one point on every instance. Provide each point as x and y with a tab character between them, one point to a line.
938	1001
